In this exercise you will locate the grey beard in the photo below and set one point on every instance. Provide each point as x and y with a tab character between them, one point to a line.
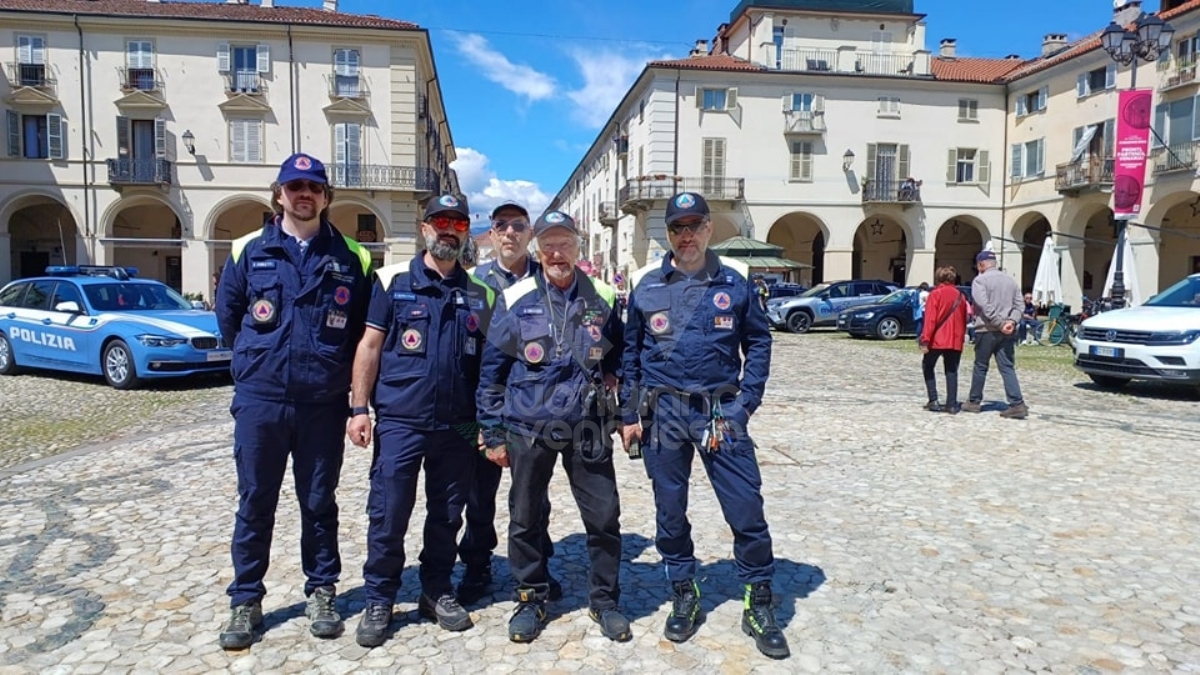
442	251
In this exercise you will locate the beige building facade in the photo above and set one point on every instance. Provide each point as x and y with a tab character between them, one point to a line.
146	134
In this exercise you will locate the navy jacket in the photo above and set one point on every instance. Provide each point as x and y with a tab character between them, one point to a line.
690	334
435	327
525	384
293	318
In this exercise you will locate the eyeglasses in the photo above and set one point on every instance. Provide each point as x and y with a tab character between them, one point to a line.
301	185
445	223
514	224
692	226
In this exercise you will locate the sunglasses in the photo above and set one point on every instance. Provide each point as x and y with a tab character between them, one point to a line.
445	223
302	185
691	226
515	224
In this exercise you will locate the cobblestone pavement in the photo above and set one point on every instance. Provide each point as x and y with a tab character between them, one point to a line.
906	542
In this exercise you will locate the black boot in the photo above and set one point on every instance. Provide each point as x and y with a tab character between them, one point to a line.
758	621
685	611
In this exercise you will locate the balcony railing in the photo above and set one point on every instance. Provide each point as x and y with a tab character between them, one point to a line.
244	82
803	122
1174	157
155	171
31	75
1089	172
140	79
648	188
348	86
816	60
884	64
891	192
1180	73
383	177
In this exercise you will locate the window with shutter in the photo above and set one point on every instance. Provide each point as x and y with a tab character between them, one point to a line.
245	141
1110	137
801	161
952	165
13	120
1160	125
984	169
262	53
968	109
55	134
903	169
1016	166
872	159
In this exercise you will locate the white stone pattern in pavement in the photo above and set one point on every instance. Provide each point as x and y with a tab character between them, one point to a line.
906	541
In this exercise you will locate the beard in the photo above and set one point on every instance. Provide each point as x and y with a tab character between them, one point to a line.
442	250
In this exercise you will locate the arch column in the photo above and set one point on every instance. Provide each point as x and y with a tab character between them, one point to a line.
195	261
1072	273
839	263
5	258
921	267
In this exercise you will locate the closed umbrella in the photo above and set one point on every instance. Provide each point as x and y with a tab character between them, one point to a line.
1047	282
1133	296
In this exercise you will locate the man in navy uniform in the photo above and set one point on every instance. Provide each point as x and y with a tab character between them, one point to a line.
510	234
418	363
691	321
553	353
291	303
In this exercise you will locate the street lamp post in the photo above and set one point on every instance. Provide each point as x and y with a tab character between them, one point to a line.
1150	37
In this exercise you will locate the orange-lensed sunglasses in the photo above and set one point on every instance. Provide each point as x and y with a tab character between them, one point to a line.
445	223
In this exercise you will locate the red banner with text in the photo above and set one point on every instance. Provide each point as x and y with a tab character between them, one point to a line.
1134	110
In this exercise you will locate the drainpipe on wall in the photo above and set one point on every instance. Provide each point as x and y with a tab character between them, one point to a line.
1007	169
675	131
83	138
292	96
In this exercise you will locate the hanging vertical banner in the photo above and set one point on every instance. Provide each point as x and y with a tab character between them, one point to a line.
1134	111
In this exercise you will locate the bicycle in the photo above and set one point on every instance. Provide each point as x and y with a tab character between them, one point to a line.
1061	326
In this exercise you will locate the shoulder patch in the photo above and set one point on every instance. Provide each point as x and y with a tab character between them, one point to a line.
737	266
389	272
487	290
241	242
519	290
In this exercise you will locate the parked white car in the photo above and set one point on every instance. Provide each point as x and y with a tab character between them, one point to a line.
1158	341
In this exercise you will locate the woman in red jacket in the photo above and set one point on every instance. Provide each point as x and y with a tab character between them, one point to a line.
942	336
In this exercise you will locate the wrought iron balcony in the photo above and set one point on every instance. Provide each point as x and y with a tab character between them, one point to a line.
1174	157
155	171
638	192
1180	73
140	79
348	86
803	122
817	60
885	64
608	213
1088	172
383	177
244	82
36	75
891	192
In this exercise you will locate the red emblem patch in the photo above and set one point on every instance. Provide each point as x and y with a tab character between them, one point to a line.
722	300
342	295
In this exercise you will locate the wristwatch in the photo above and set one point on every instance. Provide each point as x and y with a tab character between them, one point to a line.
359	410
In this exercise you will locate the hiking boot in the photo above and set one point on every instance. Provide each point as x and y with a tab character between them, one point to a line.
613	624
445	611
952	408
243	621
758	621
972	407
685	611
933	406
322	613
373	627
475	584
526	622
1016	412
555	593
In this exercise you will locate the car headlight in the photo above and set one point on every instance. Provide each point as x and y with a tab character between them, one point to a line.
161	341
865	315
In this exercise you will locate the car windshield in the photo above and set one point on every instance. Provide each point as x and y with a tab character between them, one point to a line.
1186	293
133	297
815	291
895	297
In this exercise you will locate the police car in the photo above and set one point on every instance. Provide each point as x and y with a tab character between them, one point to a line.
100	320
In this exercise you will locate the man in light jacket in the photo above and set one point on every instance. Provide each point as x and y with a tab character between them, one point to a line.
998	306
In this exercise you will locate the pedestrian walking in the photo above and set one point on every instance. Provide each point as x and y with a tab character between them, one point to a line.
418	365
551	361
291	304
998	307
697	358
510	234
942	338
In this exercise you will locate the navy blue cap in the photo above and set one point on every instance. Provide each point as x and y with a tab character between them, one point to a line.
302	167
553	219
686	204
510	205
447	204
984	255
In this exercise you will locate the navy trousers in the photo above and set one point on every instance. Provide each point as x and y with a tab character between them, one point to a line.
400	452
479	538
265	433
674	428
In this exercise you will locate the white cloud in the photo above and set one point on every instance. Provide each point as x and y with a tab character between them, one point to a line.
607	76
519	79
485	191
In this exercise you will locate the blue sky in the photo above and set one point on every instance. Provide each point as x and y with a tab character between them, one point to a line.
528	84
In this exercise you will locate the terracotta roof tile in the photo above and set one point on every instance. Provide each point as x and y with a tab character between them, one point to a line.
968	69
215	11
710	62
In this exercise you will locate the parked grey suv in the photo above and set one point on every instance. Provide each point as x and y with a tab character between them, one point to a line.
821	304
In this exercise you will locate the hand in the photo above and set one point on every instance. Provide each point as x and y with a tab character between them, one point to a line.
1009	327
630	432
497	455
610	382
924	348
359	430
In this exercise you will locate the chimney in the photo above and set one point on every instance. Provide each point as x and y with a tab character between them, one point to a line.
1012	57
1053	42
1126	12
949	50
701	47
330	5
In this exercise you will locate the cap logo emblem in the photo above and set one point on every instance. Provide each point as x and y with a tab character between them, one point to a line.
685	201
555	217
303	163
448	200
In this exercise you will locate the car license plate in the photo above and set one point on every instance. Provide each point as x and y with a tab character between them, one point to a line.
221	355
1108	352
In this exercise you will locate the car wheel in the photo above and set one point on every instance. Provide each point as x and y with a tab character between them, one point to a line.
799	321
888	328
8	362
119	369
1109	382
